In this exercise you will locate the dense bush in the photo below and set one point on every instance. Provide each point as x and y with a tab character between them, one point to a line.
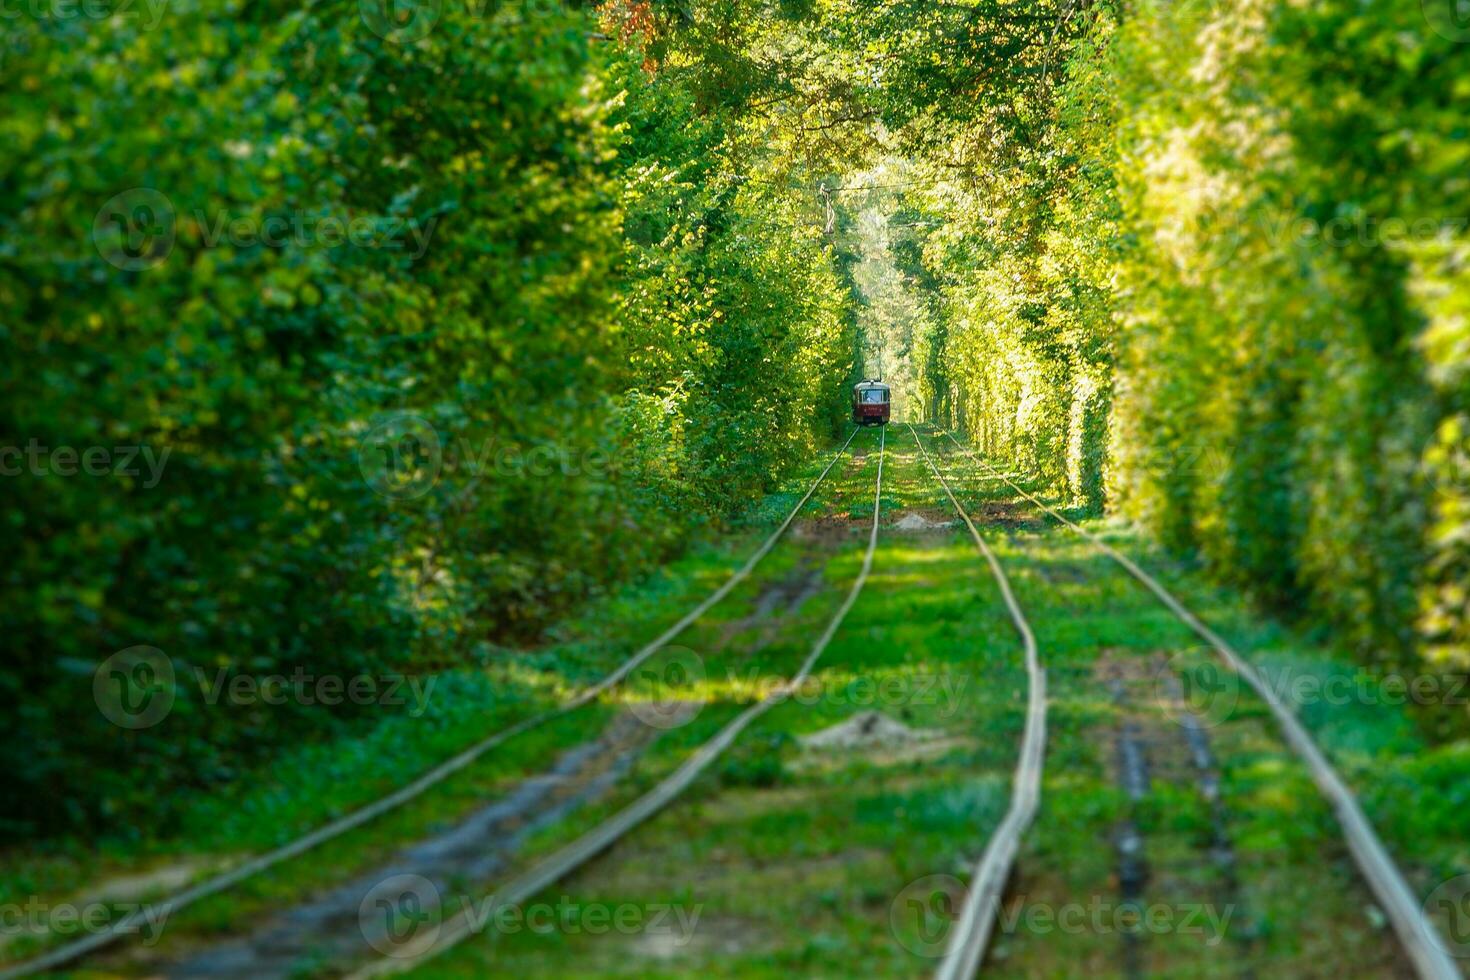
1293	194
1234	241
380	450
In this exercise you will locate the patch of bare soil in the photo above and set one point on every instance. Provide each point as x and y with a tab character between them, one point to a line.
915	521
867	731
329	931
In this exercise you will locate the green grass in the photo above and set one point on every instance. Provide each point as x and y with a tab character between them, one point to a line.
322	781
787	860
795	867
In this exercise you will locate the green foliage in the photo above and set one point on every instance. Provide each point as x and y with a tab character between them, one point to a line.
1275	288
594	358
1205	267
606	279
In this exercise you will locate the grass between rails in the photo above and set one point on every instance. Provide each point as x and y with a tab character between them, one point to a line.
323	781
791	858
783	859
1295	903
797	862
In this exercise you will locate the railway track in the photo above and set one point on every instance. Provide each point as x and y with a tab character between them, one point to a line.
1420	939
556	866
967	942
129	925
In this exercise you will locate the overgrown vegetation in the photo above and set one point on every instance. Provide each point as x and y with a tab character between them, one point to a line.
1202	263
436	326
433	332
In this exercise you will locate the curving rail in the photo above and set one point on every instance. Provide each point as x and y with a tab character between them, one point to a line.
966	946
129	925
561	863
1422	942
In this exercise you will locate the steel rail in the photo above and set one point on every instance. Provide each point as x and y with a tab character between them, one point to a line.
967	943
1423	943
558	865
130	924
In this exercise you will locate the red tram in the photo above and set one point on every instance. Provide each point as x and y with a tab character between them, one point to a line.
870	403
